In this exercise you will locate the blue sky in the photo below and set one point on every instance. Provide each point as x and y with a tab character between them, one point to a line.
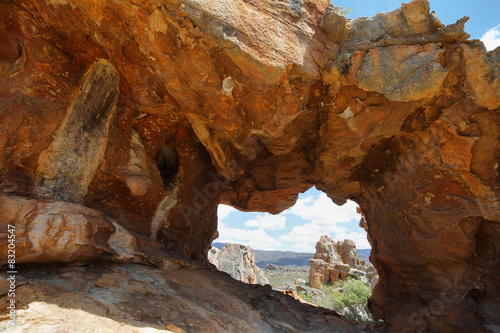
296	229
300	227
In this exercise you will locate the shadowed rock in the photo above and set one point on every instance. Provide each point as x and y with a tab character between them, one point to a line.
67	167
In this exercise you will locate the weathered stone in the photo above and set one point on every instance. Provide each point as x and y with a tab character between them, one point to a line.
254	102
371	272
55	231
332	261
348	252
403	73
271	267
239	262
316	294
373	282
327	250
413	19
299	281
137	298
212	256
357	273
317	272
67	167
482	77
356	312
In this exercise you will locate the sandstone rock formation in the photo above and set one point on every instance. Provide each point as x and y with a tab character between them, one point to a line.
238	261
332	261
136	298
146	114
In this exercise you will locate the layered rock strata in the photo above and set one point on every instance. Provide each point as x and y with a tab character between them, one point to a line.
146	114
141	299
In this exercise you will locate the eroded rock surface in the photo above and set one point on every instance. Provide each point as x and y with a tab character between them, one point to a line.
332	261
148	114
56	231
137	298
238	261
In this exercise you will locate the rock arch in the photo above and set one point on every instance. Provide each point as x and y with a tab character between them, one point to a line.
397	112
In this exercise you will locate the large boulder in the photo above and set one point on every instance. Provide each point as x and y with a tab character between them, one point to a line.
238	261
356	312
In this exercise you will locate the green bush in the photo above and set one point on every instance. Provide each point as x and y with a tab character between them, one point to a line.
345	11
354	292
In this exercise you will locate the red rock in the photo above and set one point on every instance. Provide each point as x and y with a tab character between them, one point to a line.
256	102
57	231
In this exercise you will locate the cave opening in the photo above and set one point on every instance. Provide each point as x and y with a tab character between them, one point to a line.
289	254
296	229
167	164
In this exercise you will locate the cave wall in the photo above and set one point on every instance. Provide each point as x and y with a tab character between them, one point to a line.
152	113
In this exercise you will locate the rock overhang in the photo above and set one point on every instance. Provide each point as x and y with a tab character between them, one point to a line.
260	101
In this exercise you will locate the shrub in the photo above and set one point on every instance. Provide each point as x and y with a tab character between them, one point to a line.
354	293
345	11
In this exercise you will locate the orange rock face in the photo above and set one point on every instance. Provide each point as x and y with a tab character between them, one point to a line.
147	114
332	261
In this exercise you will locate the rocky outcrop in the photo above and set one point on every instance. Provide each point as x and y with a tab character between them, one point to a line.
238	261
315	294
271	267
138	298
332	261
56	231
348	253
148	114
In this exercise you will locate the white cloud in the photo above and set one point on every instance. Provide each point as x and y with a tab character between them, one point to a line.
323	211
223	211
491	38
304	237
358	237
267	222
324	218
256	239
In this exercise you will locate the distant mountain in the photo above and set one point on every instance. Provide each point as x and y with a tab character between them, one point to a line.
282	258
279	258
289	258
365	252
219	245
364	255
